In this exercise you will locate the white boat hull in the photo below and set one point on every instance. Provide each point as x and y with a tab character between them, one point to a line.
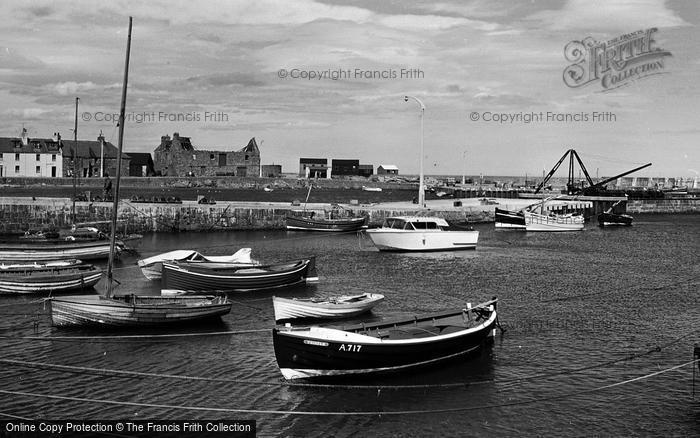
388	239
343	307
539	222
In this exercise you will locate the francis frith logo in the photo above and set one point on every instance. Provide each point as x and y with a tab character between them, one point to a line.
616	62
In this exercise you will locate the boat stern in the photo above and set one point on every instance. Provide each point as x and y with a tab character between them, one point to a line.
311	274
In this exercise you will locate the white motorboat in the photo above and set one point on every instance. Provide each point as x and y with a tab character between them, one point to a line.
152	267
329	308
413	233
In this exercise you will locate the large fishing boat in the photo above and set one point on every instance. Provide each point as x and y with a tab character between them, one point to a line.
386	346
413	233
309	221
509	219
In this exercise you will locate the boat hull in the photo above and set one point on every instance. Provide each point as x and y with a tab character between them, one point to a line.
286	308
509	219
319	351
611	219
95	310
306	223
42	280
539	222
388	239
219	277
82	250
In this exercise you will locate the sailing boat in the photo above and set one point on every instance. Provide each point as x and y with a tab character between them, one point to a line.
131	309
308	221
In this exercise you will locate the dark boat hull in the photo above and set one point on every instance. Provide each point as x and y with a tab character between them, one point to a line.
509	219
303	355
218	277
307	223
612	219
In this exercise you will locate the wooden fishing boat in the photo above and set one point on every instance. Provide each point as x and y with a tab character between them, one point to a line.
131	309
610	218
135	310
57	250
509	219
209	276
152	267
48	277
343	306
310	222
408	233
387	346
553	222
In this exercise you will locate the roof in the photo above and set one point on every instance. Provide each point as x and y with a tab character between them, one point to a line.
33	146
313	160
388	167
90	149
140	158
252	147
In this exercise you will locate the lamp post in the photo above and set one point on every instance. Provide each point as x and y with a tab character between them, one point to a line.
464	170
421	182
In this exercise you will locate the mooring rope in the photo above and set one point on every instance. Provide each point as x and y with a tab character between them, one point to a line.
347	413
125	373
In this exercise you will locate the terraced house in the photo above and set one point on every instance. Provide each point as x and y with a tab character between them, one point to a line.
54	157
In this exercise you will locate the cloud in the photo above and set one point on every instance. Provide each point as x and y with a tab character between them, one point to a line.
71	88
608	15
27	113
11	59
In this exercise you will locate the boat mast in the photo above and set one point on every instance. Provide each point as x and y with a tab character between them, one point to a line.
75	153
307	196
115	201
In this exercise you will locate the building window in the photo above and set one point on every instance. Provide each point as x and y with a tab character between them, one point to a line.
211	156
194	156
53	157
16	169
246	157
38	169
16	157
38	157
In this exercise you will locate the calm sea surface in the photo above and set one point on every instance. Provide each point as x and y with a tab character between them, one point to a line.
585	313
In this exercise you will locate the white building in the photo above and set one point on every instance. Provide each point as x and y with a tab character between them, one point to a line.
31	157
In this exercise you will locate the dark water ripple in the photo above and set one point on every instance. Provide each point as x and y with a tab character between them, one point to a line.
582	311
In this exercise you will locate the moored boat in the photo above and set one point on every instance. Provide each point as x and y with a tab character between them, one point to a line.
409	233
613	219
509	219
387	346
135	310
209	276
152	267
57	250
48	277
311	222
553	222
328	308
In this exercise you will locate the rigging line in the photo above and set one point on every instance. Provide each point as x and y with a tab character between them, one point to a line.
16	417
168	335
124	373
352	413
22	303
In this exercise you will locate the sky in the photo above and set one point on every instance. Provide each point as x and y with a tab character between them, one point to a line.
327	79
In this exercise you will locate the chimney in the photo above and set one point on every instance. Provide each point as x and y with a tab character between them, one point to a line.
101	138
176	135
25	139
55	137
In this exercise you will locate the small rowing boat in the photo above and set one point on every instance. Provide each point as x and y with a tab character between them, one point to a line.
343	306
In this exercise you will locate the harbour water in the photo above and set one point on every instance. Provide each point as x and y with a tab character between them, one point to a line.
595	321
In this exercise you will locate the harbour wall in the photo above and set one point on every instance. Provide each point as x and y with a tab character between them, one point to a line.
18	215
